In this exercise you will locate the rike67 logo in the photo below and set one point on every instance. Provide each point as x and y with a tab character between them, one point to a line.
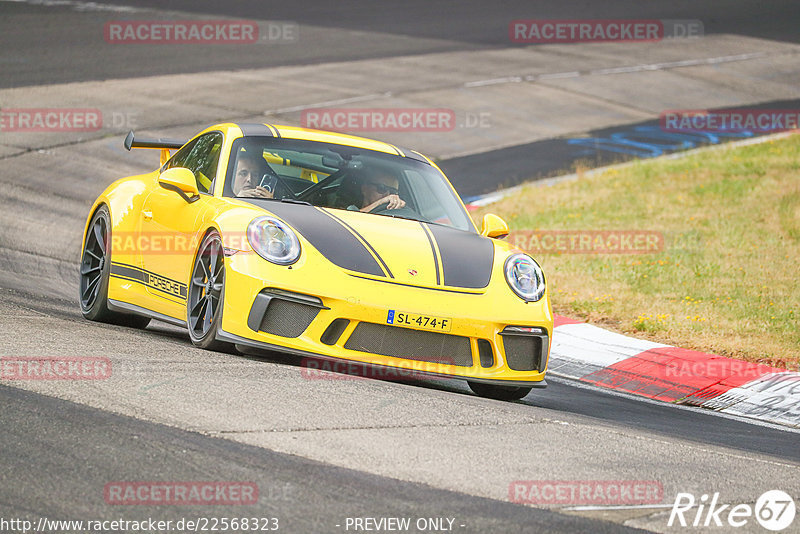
774	510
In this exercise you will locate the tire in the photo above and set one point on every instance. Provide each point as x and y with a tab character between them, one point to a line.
503	393
206	295
95	269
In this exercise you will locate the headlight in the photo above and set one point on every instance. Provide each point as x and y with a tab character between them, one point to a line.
525	277
273	240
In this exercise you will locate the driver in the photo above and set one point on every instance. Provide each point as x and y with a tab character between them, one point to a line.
380	188
250	168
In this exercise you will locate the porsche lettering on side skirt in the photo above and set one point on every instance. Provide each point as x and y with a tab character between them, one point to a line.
152	280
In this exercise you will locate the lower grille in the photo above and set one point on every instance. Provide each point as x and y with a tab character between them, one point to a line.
410	344
523	353
286	318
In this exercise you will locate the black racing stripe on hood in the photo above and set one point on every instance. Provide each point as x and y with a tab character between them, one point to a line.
467	258
330	238
433	250
363	240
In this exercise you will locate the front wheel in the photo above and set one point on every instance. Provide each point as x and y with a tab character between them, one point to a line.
206	293
504	393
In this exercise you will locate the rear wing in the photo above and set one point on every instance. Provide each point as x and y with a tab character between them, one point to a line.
131	141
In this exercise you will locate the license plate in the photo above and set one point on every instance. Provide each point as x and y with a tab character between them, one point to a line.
416	320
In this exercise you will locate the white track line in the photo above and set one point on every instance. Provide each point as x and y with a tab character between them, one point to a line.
595	508
338	102
620	70
81	6
494	81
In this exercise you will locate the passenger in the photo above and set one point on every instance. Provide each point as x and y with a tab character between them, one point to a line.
248	175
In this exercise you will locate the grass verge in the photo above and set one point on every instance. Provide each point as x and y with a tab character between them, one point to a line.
726	276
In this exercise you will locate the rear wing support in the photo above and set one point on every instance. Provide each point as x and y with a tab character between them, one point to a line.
131	141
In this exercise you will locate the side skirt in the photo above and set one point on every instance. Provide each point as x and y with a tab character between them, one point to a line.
124	307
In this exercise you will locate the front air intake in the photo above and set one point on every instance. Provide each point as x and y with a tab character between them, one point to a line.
286	318
525	348
283	313
410	344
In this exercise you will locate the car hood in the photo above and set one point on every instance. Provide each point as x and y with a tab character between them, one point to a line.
392	249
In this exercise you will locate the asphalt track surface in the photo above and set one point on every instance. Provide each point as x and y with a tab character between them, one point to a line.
559	156
63	462
67	49
319	452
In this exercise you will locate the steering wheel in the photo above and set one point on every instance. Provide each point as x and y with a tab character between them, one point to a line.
318	187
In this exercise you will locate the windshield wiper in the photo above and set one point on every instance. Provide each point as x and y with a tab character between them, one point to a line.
295	201
400	217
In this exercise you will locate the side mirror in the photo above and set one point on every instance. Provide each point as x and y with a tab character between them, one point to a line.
493	226
182	181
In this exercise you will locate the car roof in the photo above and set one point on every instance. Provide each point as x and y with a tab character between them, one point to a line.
309	134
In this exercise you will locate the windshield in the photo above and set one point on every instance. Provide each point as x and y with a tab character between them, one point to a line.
342	177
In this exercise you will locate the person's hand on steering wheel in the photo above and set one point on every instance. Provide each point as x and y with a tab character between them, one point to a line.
392	202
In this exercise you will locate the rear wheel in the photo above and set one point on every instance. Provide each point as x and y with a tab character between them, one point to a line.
95	271
206	294
505	393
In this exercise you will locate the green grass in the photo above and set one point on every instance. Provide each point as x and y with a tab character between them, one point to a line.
728	278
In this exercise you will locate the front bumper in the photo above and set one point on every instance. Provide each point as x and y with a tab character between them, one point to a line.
494	337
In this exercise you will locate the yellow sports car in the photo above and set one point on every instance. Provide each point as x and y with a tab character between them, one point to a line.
318	244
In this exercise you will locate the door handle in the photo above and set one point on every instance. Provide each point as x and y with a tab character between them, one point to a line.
148	215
